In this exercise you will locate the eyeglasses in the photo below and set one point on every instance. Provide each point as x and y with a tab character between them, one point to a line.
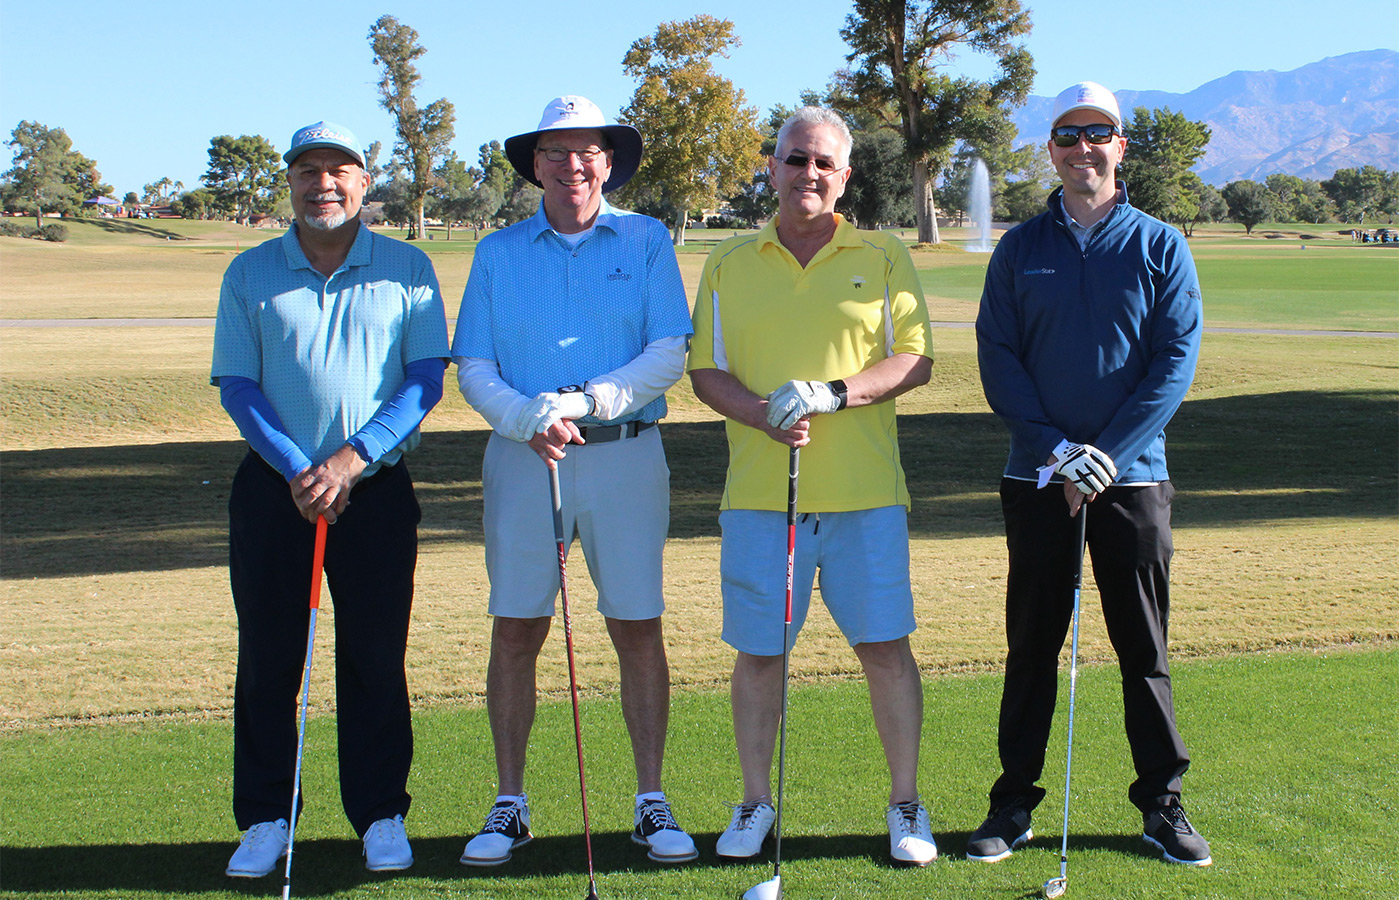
1068	135
824	166
559	154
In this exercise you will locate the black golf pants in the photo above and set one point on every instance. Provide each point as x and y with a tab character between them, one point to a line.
371	552
1130	545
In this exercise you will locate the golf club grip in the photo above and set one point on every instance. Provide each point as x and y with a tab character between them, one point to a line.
318	560
557	503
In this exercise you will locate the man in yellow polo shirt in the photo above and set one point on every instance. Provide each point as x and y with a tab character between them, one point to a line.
805	333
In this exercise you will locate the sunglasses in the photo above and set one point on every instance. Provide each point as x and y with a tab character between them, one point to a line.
798	161
1068	135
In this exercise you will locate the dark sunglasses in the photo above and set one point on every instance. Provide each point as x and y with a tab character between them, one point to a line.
1068	135
798	161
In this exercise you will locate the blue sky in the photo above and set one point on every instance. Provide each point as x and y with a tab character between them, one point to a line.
142	85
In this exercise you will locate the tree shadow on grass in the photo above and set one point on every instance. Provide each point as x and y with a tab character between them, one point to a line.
330	867
141	227
1234	460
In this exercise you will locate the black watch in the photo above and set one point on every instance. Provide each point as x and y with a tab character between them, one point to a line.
838	387
578	389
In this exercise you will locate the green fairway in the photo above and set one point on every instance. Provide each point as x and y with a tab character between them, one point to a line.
1294	784
117	665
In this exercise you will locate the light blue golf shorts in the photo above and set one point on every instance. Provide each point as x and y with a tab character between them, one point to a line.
863	558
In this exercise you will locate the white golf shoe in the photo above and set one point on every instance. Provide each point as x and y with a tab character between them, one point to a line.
386	846
655	828
911	841
257	854
507	827
748	827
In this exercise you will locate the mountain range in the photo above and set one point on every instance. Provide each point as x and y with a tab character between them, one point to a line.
1340	112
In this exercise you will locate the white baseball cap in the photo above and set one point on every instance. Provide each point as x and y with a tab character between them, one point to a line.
1086	95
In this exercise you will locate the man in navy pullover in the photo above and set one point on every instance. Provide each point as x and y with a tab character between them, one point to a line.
1087	339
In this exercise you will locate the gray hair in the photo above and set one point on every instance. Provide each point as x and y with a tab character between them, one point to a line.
817	116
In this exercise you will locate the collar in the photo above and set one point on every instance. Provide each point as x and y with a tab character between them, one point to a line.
845	235
1057	204
360	251
538	224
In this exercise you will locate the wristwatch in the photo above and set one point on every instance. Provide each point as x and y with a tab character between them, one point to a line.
838	387
578	389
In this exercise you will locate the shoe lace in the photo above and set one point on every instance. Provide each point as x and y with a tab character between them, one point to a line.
502	818
744	814
384	829
262	833
908	813
1175	817
658	814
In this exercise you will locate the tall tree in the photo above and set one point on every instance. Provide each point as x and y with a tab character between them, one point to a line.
1162	147
244	175
878	192
424	133
702	141
1249	203
899	48
48	174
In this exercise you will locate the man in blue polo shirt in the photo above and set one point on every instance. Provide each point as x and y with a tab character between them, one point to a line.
573	325
329	349
1087	339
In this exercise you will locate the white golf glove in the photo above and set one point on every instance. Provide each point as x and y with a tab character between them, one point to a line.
799	399
1086	466
549	408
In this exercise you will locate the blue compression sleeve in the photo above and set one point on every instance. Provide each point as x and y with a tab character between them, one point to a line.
420	392
260	426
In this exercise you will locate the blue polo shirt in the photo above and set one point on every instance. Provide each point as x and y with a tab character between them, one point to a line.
550	315
328	352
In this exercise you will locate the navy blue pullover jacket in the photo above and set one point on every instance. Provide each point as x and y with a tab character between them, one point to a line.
1097	346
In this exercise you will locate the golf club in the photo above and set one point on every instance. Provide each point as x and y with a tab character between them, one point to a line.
1055	887
318	556
573	680
772	889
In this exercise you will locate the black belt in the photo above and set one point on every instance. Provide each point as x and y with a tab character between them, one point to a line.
603	434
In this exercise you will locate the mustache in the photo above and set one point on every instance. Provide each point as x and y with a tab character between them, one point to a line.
325	197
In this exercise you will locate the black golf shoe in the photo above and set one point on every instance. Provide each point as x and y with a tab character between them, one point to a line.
1003	831
1167	829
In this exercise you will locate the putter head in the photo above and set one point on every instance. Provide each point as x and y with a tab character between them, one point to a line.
592	892
1053	888
772	889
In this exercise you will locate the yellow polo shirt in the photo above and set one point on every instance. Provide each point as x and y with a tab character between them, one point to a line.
767	320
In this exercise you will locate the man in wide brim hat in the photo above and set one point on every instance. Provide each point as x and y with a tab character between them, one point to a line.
573	324
573	112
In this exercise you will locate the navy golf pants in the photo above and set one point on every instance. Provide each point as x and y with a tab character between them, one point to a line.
371	552
1130	545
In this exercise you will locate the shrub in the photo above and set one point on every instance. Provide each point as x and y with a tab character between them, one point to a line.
10	228
53	232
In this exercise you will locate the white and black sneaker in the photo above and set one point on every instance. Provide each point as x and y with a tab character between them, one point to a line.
655	828
911	841
1004	830
507	827
1168	829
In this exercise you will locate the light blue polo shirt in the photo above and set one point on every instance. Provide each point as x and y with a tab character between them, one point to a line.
328	353
551	315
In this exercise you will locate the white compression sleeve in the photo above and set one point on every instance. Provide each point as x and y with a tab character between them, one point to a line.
632	386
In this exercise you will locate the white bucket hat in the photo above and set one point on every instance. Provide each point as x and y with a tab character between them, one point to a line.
1087	95
572	111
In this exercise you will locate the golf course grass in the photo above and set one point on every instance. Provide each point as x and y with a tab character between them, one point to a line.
116	665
